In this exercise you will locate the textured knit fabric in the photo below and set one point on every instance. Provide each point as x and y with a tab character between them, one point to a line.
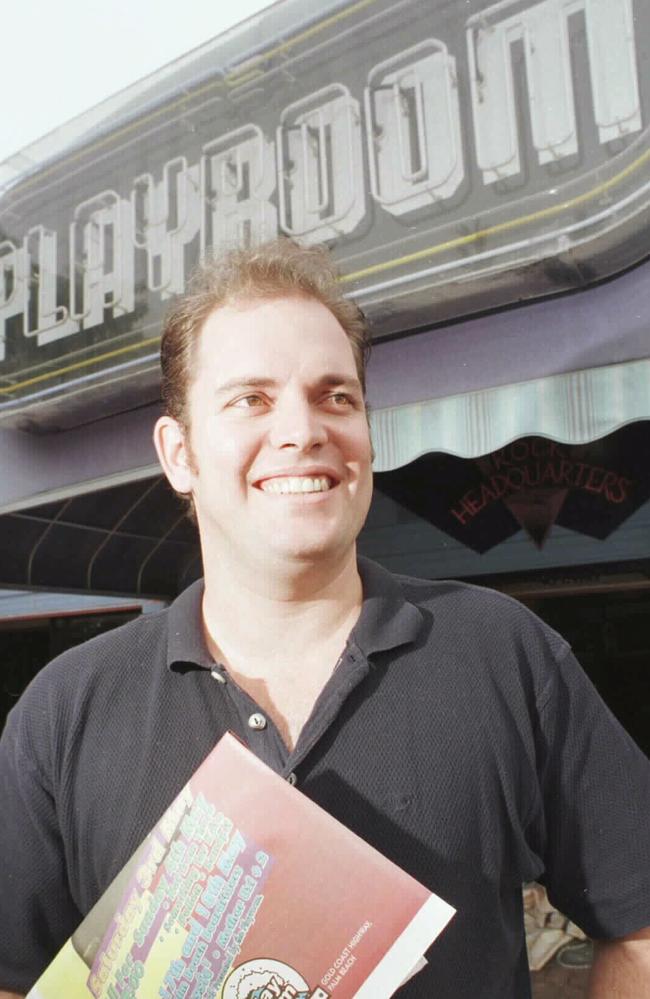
458	735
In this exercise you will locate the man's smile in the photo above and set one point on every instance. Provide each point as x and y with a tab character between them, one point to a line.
297	484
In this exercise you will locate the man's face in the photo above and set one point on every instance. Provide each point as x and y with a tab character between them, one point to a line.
281	454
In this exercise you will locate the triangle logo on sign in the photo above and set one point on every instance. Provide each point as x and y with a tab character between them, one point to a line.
536	510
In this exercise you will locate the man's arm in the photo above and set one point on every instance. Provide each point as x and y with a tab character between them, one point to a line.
10	995
621	968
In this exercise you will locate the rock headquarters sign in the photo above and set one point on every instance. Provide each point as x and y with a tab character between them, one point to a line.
531	484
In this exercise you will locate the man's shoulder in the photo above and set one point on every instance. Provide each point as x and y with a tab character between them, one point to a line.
125	638
452	591
478	608
138	643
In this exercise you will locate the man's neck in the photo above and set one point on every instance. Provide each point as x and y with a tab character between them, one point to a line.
252	620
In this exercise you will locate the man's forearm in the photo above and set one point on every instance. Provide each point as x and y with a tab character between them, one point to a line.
621	968
11	995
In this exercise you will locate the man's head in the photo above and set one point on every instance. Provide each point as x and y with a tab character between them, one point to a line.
266	427
277	269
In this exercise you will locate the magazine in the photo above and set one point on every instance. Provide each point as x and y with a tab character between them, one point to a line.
246	889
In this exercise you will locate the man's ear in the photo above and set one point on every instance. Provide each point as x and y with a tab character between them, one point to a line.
173	453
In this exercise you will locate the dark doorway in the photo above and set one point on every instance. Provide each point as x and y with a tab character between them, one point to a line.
26	645
610	635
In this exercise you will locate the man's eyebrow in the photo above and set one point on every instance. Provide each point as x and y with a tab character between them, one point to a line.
244	382
330	380
339	381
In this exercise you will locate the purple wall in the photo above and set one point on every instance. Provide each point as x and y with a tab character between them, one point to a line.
587	329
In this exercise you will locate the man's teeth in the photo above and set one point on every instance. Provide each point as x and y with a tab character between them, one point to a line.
302	484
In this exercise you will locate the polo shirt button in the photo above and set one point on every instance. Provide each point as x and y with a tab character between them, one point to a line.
292	779
257	721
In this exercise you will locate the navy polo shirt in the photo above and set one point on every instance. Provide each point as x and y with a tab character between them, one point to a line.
458	735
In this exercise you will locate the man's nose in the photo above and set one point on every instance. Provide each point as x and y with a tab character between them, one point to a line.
297	423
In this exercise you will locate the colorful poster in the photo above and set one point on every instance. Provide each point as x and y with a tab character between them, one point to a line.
246	889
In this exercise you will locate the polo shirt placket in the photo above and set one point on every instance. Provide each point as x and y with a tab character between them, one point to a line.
386	622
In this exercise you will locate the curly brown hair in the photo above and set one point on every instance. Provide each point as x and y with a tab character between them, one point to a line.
273	269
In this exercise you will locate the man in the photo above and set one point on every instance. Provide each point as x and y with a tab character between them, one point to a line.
443	722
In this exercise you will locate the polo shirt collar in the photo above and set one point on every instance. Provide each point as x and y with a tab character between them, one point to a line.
186	643
387	619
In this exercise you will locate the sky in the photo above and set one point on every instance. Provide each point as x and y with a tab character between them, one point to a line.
63	58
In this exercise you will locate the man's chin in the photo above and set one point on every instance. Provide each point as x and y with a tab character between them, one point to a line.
305	552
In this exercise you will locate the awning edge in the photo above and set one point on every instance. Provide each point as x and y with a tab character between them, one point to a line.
572	408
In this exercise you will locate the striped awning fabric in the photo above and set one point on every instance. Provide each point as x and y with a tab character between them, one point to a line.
574	408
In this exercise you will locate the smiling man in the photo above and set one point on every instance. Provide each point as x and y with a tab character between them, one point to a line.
442	722
272	444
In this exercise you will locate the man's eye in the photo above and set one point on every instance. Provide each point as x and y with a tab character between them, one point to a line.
249	401
342	399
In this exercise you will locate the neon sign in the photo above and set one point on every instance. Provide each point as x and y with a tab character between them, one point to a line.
414	165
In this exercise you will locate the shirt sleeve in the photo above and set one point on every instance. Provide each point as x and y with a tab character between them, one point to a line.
37	913
596	792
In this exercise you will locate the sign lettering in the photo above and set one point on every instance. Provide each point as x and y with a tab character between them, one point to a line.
400	151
